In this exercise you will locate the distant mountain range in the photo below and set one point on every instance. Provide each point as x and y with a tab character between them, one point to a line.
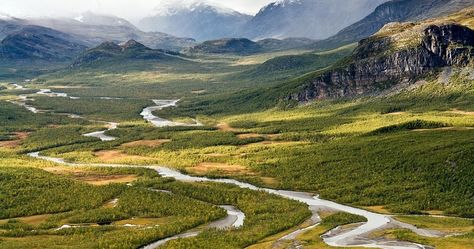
244	46
110	52
316	19
99	28
338	21
64	38
198	20
9	25
35	42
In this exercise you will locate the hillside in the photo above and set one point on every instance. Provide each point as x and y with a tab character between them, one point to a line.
393	11
395	57
9	25
34	42
110	52
399	52
97	29
316	19
243	46
240	46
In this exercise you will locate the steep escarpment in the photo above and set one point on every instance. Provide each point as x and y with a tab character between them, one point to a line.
398	53
393	11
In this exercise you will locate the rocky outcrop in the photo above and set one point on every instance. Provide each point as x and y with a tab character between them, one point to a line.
393	11
374	66
452	43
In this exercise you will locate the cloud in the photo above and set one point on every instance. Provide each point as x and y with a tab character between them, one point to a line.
133	10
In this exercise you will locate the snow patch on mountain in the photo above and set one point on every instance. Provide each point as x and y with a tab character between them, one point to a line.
4	16
173	7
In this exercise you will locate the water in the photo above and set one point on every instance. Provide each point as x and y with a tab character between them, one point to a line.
355	237
101	134
147	114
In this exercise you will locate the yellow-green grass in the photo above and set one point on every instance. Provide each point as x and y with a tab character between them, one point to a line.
445	224
455	242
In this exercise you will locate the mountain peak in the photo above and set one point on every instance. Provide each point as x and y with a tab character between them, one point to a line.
133	45
92	18
174	7
109	46
197	19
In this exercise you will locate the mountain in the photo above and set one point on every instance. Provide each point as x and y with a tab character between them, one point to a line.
400	52
112	52
90	18
244	46
241	46
393	11
9	25
97	29
271	44
198	20
316	19
35	42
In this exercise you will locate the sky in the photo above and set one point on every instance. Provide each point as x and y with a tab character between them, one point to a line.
129	9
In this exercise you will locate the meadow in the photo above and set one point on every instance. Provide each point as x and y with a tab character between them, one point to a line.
405	152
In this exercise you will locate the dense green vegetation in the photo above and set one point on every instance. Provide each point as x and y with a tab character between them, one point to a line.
408	152
103	109
272	214
16	118
65	201
28	192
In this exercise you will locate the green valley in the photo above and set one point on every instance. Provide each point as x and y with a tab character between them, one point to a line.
240	144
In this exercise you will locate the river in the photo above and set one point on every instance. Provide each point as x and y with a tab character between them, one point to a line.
357	236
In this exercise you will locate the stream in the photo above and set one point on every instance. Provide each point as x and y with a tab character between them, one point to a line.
235	219
358	236
147	112
148	115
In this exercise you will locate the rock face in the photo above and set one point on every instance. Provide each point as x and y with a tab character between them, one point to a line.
374	66
444	42
393	11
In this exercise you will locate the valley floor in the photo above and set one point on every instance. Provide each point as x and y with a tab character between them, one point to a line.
407	155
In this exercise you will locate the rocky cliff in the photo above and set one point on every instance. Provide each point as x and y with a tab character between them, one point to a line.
391	57
393	11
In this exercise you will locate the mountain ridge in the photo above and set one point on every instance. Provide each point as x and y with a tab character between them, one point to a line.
199	20
35	42
398	52
392	11
130	50
315	19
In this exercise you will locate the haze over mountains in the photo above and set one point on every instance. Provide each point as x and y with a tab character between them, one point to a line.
199	20
314	19
332	23
393	11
